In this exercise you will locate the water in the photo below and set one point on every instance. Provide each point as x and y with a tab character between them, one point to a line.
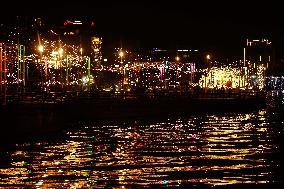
199	150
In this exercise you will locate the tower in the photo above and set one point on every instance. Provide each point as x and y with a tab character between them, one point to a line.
259	51
258	57
96	53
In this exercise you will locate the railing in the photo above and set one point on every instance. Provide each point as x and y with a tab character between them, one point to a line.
101	96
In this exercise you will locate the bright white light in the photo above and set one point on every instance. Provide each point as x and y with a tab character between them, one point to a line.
40	48
60	51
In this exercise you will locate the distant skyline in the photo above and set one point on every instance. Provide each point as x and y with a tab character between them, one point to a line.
209	24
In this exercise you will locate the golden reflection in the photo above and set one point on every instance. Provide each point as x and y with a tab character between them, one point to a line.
101	155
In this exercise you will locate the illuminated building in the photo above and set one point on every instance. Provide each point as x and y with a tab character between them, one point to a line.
37	22
258	57
96	53
259	51
226	77
185	54
72	28
82	33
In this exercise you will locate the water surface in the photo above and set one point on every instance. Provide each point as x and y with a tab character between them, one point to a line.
205	149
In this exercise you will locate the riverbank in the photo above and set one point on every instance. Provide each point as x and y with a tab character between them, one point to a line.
34	118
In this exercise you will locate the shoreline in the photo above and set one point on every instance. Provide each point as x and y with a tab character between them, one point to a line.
52	117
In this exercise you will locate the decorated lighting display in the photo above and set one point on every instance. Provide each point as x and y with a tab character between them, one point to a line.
274	83
96	44
162	74
60	63
226	77
261	76
43	61
12	63
234	77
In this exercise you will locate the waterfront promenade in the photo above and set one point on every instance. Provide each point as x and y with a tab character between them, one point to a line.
105	96
43	113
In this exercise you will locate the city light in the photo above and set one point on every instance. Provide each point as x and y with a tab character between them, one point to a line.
40	48
60	61
60	51
59	80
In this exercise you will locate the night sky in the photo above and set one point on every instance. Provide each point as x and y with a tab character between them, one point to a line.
202	24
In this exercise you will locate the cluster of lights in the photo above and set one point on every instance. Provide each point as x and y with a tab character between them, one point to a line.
62	63
275	83
234	77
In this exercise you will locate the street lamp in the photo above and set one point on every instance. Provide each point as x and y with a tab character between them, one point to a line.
177	68
207	60
177	58
60	62
40	49
208	57
121	54
60	51
79	74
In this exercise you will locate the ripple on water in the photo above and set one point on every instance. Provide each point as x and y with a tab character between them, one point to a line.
205	149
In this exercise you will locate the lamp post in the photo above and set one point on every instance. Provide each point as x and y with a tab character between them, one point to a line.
177	58
121	54
0	69
208	58
40	49
208	63
79	72
177	63
60	53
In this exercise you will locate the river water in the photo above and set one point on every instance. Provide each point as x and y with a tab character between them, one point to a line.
235	149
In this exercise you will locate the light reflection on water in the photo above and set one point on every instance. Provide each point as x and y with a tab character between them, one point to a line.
209	149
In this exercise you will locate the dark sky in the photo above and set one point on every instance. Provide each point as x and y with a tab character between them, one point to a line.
204	24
